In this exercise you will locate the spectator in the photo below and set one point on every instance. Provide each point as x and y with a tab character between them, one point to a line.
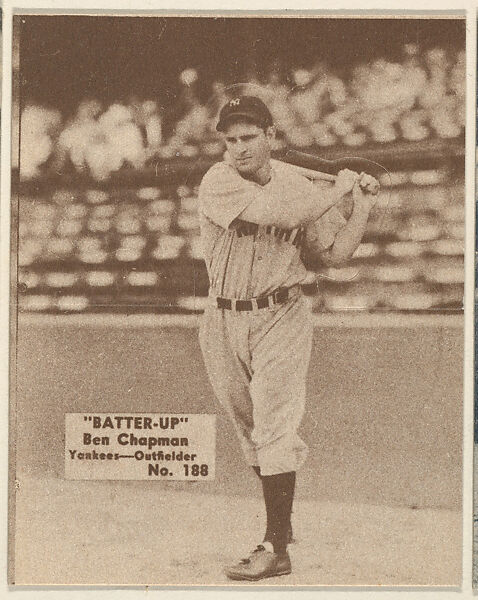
38	127
79	134
422	95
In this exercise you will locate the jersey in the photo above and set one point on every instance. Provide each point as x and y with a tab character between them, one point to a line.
246	260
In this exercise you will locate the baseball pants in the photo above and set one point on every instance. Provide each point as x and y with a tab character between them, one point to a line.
257	364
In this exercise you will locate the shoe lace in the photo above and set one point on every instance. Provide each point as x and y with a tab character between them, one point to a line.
247	559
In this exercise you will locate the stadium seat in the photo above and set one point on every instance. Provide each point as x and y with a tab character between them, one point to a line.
132	241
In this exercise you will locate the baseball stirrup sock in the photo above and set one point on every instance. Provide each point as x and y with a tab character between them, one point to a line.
278	496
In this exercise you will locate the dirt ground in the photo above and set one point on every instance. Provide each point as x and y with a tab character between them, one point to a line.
111	532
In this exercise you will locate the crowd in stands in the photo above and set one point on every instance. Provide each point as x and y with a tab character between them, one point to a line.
137	249
422	96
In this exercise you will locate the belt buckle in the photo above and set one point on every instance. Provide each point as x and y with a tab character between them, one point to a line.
278	299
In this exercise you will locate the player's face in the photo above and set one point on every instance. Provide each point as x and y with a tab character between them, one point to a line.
249	146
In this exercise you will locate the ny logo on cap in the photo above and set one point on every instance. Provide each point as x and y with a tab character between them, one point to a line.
235	102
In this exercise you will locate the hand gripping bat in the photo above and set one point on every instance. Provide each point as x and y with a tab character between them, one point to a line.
316	168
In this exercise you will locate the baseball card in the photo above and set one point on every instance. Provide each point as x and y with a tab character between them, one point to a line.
237	273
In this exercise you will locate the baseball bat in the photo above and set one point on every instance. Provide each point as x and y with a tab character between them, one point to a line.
314	175
314	167
320	176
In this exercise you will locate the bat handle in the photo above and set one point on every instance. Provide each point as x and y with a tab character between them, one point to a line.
315	175
320	176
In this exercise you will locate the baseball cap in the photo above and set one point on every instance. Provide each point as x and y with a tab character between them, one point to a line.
249	107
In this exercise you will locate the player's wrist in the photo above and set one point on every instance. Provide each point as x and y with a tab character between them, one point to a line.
339	193
362	207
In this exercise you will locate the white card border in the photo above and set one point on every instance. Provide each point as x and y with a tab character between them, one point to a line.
348	7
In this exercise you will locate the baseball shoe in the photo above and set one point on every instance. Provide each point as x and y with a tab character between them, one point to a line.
261	563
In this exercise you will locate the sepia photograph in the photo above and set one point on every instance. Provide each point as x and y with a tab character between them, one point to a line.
237	316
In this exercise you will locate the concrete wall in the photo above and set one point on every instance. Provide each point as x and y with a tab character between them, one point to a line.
383	419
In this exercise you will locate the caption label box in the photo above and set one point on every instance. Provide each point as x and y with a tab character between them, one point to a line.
136	446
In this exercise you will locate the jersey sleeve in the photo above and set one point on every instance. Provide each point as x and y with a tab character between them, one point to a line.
329	224
224	195
327	227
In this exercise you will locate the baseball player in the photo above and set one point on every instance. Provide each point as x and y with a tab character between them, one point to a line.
256	332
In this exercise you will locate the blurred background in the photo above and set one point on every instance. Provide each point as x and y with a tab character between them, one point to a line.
117	128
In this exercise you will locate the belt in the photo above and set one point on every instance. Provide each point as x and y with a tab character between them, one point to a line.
279	296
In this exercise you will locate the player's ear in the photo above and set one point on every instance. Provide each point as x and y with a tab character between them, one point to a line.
271	132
